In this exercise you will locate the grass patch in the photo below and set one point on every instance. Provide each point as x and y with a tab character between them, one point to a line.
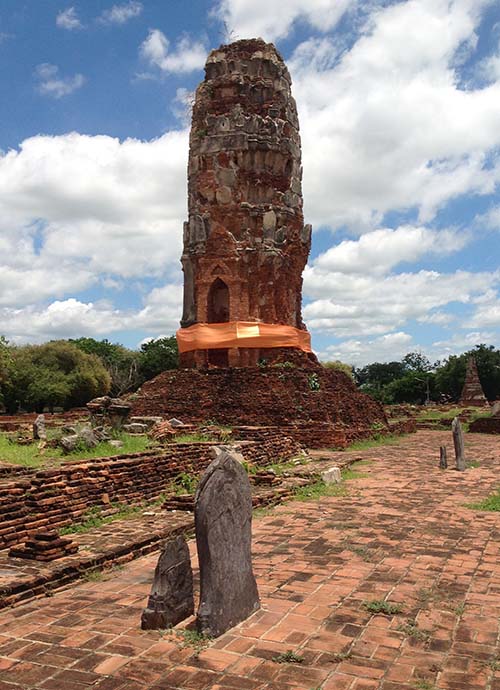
374	442
361	551
341	656
494	664
379	606
192	438
352	473
473	464
411	629
313	492
185	483
439	414
191	638
423	684
93	517
492	503
32	456
288	657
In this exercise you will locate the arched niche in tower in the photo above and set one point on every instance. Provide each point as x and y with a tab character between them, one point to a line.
218	302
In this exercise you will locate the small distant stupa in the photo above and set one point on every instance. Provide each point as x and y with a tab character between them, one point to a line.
472	392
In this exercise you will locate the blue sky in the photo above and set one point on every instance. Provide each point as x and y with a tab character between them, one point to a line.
399	104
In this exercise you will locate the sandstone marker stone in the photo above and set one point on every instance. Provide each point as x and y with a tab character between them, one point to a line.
459	443
443	458
171	599
223	520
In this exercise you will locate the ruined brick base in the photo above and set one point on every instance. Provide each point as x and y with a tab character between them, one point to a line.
280	395
485	425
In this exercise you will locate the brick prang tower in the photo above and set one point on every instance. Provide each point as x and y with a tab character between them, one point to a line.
245	242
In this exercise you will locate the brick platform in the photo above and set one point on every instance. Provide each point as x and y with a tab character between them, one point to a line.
269	395
402	533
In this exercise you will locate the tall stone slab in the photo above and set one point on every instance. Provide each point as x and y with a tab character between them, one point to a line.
459	444
223	521
171	600
472	392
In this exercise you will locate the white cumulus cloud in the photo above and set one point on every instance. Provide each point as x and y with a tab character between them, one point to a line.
120	14
77	208
388	125
274	19
187	56
381	250
68	19
51	84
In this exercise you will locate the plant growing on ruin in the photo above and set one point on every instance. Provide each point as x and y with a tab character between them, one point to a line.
385	607
288	657
313	382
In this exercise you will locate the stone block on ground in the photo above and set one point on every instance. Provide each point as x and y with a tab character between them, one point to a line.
135	428
171	600
223	520
332	475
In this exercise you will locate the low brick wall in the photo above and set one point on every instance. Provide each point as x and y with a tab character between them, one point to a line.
485	425
57	497
17	421
308	435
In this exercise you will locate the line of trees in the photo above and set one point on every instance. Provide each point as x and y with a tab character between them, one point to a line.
69	373
415	379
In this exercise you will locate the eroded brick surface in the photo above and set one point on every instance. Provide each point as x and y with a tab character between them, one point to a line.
401	534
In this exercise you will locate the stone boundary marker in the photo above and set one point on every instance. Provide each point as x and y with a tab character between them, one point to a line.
171	599
223	526
459	443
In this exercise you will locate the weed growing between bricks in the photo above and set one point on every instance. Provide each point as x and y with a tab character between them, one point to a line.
387	608
492	503
288	657
411	629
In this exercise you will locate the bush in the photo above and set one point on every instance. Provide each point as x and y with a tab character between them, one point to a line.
57	374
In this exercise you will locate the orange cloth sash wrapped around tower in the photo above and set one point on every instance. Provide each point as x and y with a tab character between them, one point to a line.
215	336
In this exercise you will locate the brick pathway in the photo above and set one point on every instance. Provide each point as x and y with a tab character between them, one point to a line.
401	534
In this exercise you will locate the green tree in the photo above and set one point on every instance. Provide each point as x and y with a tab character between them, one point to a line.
158	355
121	363
341	366
416	361
413	387
56	374
373	378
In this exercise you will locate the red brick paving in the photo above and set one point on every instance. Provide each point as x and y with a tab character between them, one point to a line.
401	534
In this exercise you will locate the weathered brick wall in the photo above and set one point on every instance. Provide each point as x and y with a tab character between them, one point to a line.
260	396
15	422
60	496
485	425
308	434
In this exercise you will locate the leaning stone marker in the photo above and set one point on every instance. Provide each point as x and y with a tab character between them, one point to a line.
458	441
223	521
171	599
